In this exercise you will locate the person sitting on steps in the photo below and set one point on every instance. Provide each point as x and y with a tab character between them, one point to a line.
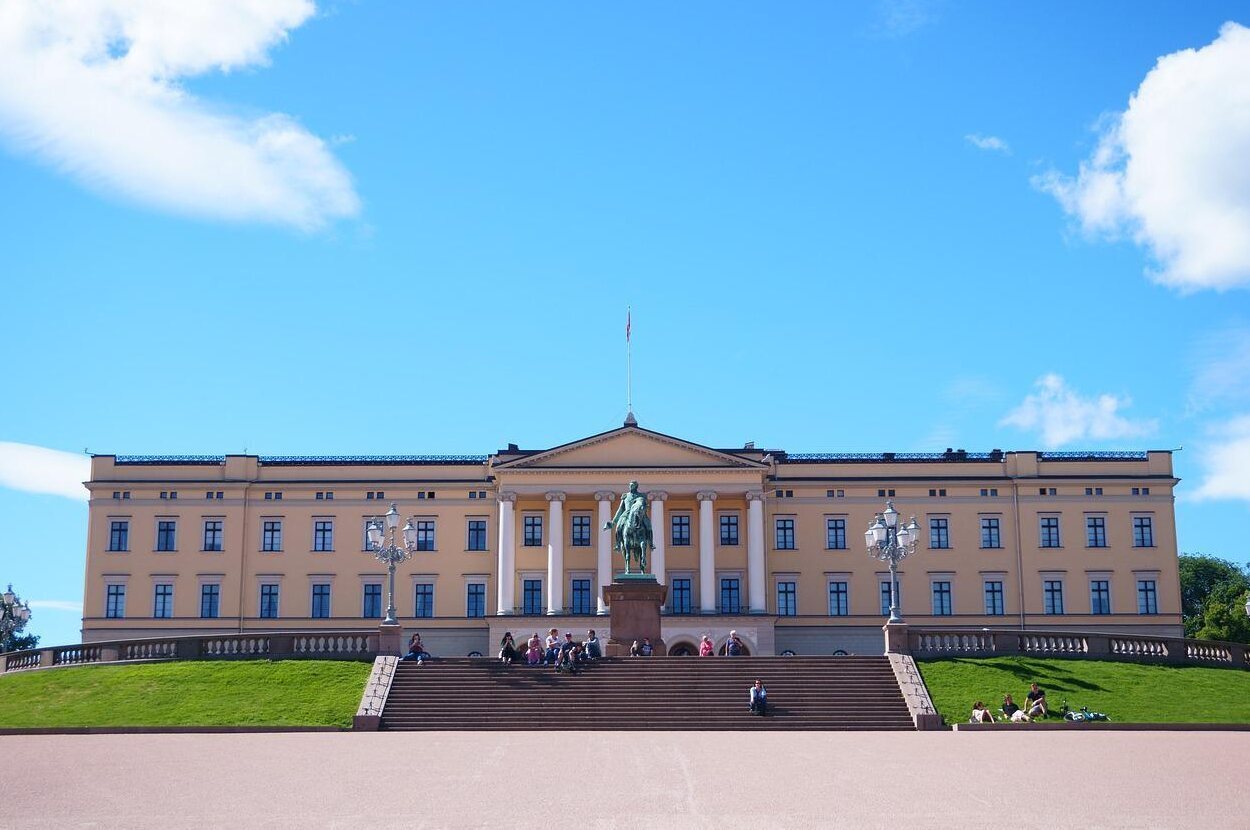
706	649
646	649
759	699
591	649
416	651
507	649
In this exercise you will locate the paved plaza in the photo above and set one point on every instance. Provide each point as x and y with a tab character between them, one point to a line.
628	780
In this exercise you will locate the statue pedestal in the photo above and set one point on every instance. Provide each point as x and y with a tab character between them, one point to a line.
634	605
390	640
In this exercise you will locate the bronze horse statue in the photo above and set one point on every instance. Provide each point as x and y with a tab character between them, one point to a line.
631	529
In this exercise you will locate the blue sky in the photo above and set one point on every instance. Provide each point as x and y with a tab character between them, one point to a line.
374	227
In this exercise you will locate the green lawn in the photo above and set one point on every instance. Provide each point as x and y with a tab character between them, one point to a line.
1128	692
208	693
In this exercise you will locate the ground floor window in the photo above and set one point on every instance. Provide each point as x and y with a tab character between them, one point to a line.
320	600
269	601
210	601
532	596
994	598
371	608
1099	596
1147	600
839	606
424	604
163	600
730	595
581	597
941	599
786	604
1052	596
475	600
115	604
681	602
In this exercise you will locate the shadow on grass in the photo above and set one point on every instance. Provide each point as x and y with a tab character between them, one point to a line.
1050	674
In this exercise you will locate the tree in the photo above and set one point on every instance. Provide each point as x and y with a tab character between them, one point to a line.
1207	580
19	642
1224	615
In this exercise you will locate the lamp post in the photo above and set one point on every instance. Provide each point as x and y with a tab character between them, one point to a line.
386	551
890	543
13	615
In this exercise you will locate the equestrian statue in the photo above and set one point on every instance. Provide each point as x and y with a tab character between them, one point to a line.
631	529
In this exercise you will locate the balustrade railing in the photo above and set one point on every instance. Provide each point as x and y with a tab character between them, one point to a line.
326	645
932	642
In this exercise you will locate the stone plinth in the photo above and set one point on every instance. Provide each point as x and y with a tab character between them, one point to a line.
390	640
634	605
896	638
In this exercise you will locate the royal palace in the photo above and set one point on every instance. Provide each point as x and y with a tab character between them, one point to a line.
764	541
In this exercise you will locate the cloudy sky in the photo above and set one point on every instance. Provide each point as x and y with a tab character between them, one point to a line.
366	227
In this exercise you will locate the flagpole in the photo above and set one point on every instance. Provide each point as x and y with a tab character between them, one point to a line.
629	366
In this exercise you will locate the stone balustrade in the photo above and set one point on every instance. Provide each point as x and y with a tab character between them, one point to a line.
1139	648
322	645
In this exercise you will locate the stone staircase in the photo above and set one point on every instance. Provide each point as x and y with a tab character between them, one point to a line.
668	693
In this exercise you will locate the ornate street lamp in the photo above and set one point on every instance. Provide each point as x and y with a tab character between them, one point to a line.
13	614
386	551
890	543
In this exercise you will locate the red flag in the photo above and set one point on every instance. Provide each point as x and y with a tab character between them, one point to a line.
627	316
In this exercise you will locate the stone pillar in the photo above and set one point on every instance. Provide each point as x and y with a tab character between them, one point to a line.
658	529
896	641
756	580
604	497
707	553
506	585
555	553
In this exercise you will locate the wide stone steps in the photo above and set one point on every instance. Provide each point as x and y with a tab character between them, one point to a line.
658	693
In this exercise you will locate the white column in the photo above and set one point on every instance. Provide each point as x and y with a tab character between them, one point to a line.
555	553
604	497
756	585
658	531
505	584
707	553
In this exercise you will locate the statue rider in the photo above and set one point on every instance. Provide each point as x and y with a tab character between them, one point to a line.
631	510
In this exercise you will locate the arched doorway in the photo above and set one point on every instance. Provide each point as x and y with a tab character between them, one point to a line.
682	650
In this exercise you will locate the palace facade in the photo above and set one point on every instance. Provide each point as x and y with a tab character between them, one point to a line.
763	541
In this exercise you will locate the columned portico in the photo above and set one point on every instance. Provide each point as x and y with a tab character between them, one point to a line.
756	583
604	559
707	552
658	497
506	584
555	553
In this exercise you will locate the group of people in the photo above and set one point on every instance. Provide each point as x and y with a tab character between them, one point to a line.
733	646
1035	707
564	654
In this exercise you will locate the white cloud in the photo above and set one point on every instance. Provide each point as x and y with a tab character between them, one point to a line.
1061	415
41	470
988	142
91	87
899	18
1221	366
1226	463
1170	171
56	605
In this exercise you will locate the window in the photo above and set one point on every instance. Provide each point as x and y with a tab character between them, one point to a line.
115	601
212	534
581	532
477	534
994	597
533	596
786	606
1046	491
730	598
1093	491
269	601
581	597
990	492
425	534
681	602
1147	600
1095	531
729	528
785	534
323	535
942	599
210	601
424	604
271	535
885	596
1052	596
320	600
785	494
990	537
1143	532
163	600
119	535
939	534
939	493
835	534
475	599
166	535
533	531
839	605
835	494
1048	531
371	607
680	525
328	494
1099	596
883	493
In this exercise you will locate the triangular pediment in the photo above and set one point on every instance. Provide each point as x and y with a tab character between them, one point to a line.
631	447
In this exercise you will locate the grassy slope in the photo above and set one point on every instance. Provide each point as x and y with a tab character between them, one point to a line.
210	693
1127	692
